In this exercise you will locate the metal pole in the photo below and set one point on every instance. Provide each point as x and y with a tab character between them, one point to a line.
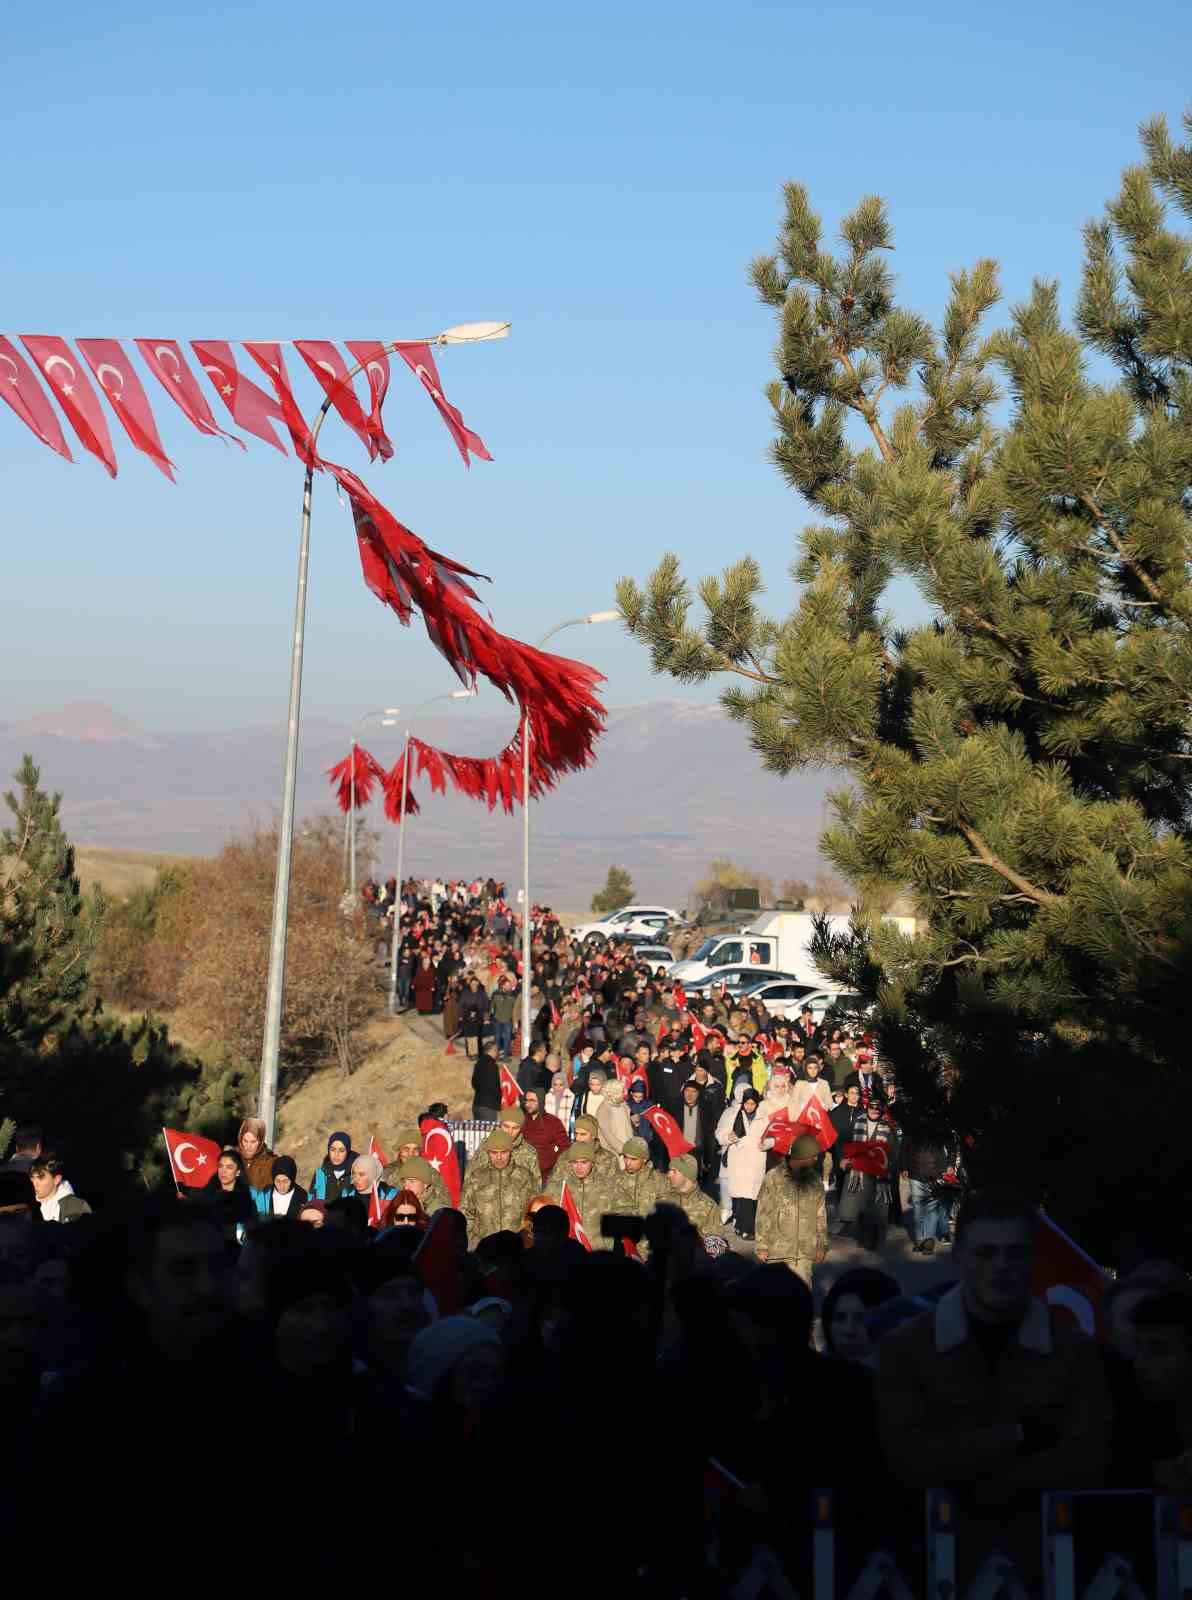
401	851
352	819
525	940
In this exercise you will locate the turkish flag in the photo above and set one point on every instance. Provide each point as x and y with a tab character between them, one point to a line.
192	1158
376	1207
26	397
782	1130
376	358
438	1147
250	407
869	1156
679	995
667	1129
271	361
638	1075
555	1017
510	1092
168	365
698	1035
625	1069
58	365
814	1117
331	370
577	1230
126	395
421	363
1069	1281
436	1262
374	1149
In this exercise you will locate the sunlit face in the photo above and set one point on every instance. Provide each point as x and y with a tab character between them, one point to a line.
584	1136
337	1152
250	1143
406	1152
405	1218
416	1186
582	1169
500	1159
228	1171
532	1106
633	1164
44	1184
361	1178
513	1129
283	1183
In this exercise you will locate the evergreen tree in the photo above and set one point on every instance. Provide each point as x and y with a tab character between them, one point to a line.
1021	761
617	891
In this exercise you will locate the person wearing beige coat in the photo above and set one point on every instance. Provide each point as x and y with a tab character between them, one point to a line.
612	1119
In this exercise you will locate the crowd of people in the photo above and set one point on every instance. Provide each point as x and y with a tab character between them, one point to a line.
542	1352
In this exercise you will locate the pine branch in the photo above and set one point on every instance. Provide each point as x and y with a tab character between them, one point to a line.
989	858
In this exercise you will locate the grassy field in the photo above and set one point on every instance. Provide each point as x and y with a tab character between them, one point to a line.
120	872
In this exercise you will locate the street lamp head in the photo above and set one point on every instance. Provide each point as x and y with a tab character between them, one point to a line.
603	616
474	332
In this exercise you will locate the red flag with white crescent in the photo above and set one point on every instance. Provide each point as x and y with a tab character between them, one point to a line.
331	371
438	1147
248	405
510	1092
271	361
60	367
782	1130
27	398
421	363
374	1149
816	1119
1069	1281
376	358
376	1207
668	1130
869	1156
166	362
126	395
192	1158
576	1228
679	995
698	1035
625	1066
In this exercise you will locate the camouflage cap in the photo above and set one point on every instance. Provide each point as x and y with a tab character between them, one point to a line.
578	1152
587	1124
416	1167
805	1148
636	1148
512	1114
498	1140
686	1165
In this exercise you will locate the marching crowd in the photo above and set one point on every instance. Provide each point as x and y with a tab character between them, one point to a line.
525	1367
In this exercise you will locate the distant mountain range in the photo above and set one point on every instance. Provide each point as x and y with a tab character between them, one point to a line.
675	784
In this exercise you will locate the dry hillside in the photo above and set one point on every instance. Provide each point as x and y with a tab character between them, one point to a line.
120	872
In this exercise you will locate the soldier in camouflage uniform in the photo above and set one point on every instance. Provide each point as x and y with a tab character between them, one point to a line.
524	1155
587	1131
792	1219
495	1192
421	1179
587	1186
407	1144
637	1189
686	1194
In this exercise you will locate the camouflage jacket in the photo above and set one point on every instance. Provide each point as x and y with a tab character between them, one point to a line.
701	1212
792	1221
592	1199
494	1200
433	1196
635	1194
526	1157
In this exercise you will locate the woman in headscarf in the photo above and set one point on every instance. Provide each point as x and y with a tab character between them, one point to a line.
255	1154
739	1133
612	1119
366	1176
333	1177
286	1196
227	1194
637	1104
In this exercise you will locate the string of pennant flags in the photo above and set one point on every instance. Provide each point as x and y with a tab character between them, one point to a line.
556	696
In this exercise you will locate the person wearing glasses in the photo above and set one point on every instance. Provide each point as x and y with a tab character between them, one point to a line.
405	1211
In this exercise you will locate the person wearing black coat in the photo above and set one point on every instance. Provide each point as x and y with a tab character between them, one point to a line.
227	1195
473	1013
698	1127
532	1071
486	1085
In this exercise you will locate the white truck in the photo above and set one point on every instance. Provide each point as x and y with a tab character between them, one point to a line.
775	940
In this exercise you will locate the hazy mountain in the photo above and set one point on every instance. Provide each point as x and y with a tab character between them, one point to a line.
675	784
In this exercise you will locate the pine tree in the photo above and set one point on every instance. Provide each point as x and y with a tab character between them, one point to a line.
1022	760
47	931
617	891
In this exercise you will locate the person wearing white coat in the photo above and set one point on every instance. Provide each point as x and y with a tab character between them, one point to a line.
739	1135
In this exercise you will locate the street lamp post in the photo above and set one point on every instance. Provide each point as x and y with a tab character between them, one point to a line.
386	718
468	333
572	622
395	941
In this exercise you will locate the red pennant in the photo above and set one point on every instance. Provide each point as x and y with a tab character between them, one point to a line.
24	394
438	1147
376	1208
421	363
166	362
331	370
667	1129
393	793
59	366
271	361
510	1092
376	358
369	772
249	406
126	395
374	1149
576	1229
192	1158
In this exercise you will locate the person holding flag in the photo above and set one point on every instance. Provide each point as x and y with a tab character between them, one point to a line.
792	1219
368	1188
577	1178
739	1135
869	1161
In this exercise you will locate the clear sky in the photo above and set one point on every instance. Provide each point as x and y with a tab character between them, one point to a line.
600	176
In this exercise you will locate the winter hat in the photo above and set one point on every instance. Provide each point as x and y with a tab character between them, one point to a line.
415	1167
407	1136
636	1147
498	1140
751	1094
439	1348
314	1205
285	1167
685	1165
513	1114
578	1152
586	1124
805	1149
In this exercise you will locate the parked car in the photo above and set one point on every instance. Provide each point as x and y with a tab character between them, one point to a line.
737	980
649	921
825	1002
655	955
779	994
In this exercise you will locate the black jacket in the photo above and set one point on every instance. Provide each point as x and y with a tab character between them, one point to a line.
707	1151
533	1074
473	1009
853	1081
486	1082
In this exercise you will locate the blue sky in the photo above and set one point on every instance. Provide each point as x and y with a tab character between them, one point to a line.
601	178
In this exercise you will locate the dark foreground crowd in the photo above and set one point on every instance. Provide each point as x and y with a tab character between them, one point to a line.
514	1412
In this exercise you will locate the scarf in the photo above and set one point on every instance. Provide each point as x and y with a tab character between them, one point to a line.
743	1121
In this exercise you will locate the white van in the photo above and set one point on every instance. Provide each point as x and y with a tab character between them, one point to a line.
775	939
